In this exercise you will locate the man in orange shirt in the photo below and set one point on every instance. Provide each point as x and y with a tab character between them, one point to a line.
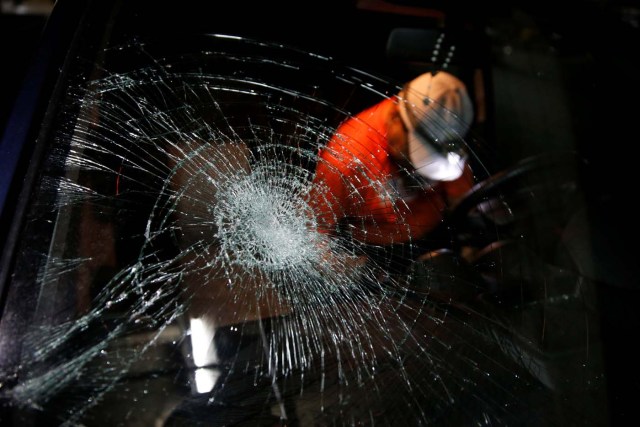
388	174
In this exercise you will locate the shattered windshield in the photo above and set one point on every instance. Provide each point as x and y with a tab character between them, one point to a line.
183	276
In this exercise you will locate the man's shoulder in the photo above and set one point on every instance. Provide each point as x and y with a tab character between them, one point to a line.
364	131
375	115
360	141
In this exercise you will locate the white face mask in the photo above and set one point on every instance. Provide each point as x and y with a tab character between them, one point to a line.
432	164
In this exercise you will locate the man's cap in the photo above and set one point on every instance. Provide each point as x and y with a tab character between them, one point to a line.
437	112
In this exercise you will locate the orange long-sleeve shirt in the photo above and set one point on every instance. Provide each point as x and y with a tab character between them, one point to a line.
357	180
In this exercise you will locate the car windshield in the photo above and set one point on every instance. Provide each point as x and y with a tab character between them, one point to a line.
172	269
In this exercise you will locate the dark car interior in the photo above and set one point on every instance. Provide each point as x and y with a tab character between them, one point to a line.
132	132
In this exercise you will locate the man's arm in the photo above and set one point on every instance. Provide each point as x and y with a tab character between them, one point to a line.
328	197
456	189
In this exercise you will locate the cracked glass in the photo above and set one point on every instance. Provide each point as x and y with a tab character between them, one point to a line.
183	275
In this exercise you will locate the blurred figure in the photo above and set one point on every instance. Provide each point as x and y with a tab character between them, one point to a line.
389	173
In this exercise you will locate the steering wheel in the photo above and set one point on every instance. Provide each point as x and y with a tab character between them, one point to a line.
530	202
